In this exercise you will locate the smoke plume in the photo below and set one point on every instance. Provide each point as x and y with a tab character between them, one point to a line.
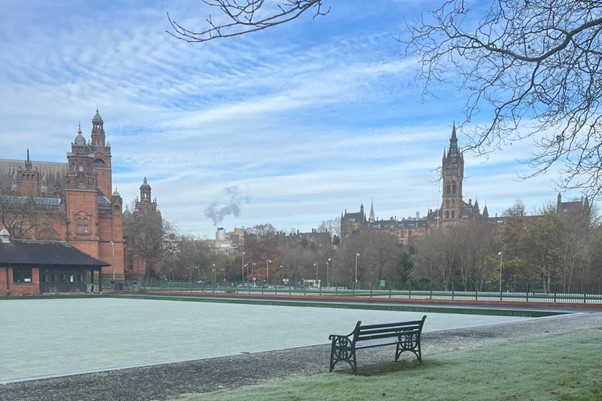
218	210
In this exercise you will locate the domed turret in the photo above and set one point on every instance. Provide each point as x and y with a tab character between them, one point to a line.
97	118
79	139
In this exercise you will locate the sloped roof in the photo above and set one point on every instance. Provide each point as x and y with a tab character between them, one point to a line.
45	254
53	172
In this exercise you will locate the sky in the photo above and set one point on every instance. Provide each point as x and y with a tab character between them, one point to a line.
290	126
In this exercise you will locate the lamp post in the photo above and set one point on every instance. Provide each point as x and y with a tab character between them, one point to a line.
356	255
113	261
317	273
327	276
224	270
253	273
214	279
267	271
190	274
242	268
331	260
501	268
282	273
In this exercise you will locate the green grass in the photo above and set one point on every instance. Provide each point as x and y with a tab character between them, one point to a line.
555	368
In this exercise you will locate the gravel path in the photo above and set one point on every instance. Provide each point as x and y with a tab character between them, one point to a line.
168	381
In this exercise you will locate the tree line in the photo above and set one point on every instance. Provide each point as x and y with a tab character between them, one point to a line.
552	250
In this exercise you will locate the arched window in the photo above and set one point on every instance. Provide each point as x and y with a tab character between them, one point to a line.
82	226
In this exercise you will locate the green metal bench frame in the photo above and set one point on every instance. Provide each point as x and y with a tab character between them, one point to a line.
404	335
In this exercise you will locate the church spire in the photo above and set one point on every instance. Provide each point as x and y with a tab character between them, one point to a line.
453	155
453	176
371	218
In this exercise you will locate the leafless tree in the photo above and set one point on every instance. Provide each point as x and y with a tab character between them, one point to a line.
535	65
25	217
146	234
245	16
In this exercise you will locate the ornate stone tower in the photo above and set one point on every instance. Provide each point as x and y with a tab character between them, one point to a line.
28	179
94	211
102	155
144	204
81	199
453	177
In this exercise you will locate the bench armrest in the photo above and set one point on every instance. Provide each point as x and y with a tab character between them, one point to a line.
344	340
339	336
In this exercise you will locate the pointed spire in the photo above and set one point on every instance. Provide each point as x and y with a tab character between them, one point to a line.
371	218
453	155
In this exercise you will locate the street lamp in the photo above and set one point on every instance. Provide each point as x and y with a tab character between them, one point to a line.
317	273
267	271
327	279
214	279
224	270
190	274
113	261
501	268
282	273
356	255
253	273
242	268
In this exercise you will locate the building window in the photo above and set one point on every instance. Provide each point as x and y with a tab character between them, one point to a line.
82	226
22	275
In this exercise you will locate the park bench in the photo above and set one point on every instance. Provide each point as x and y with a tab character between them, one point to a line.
404	335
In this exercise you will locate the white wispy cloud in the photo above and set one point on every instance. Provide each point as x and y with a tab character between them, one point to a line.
307	120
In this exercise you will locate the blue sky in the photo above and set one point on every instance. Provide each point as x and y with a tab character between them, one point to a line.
296	124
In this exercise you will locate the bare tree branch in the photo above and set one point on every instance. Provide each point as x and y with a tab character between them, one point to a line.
535	65
242	17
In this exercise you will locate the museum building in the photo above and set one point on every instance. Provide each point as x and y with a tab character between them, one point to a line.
61	223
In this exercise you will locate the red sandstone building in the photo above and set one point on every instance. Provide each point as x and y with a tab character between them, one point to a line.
72	203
